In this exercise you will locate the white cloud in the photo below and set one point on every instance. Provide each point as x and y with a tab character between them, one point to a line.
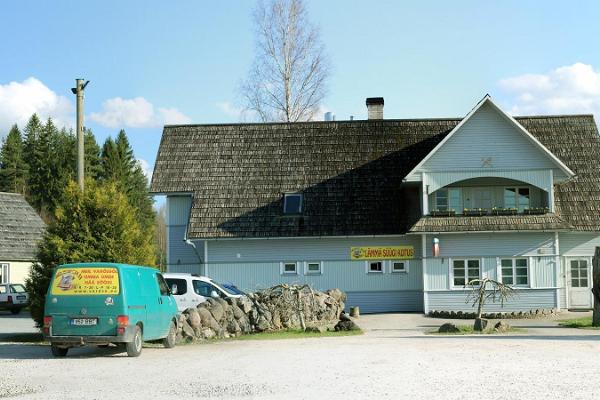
227	108
564	90
19	100
136	113
146	167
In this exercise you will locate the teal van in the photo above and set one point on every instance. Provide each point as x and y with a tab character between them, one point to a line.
104	303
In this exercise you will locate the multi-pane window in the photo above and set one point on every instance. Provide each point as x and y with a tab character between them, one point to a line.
289	268
399	266
518	198
515	271
448	199
464	271
313	268
292	203
579	273
375	266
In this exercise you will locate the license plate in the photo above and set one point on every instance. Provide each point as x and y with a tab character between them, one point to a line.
84	321
21	297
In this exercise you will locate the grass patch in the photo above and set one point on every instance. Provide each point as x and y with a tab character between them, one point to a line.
468	330
580	323
23	338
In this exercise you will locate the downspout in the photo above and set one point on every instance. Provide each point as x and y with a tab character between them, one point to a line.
190	243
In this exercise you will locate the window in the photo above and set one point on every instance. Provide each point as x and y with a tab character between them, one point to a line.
313	268
449	199
17	288
464	271
517	198
289	268
514	271
292	203
374	266
177	286
399	266
579	273
162	285
203	288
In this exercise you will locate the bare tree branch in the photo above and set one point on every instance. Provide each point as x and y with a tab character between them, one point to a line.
288	76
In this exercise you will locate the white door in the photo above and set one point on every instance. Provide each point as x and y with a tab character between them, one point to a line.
579	283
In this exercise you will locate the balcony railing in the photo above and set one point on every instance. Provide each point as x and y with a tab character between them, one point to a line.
479	212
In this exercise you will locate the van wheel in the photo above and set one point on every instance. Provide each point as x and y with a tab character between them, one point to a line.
134	348
15	311
171	338
59	351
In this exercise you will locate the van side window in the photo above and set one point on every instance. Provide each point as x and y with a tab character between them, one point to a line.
203	288
162	285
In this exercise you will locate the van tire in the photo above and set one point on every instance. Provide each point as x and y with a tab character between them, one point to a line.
171	339
15	310
134	348
59	351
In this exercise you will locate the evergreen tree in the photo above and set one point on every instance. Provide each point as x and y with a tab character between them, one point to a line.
42	161
120	166
30	144
96	225
13	170
93	167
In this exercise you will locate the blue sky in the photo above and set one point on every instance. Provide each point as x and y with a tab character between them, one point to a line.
151	62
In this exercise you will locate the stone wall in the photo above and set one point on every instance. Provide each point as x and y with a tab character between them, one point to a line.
276	308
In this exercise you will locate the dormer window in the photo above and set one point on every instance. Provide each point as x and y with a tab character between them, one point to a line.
292	203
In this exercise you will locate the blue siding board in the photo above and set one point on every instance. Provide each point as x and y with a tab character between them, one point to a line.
525	300
386	301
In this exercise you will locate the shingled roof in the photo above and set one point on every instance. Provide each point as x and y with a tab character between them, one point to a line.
20	228
350	173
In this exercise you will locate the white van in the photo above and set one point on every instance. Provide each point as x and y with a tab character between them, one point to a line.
190	290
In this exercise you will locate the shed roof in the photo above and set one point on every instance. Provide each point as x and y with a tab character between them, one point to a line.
21	228
350	172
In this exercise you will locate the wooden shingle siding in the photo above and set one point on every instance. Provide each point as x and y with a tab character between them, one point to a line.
351	174
21	229
525	300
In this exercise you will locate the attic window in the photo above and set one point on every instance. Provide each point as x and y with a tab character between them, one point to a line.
292	203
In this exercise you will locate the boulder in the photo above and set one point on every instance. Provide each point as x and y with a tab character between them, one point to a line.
345	326
502	327
344	317
187	330
448	327
208	333
193	317
216	309
237	312
316	329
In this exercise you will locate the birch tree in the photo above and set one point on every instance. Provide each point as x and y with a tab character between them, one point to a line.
288	76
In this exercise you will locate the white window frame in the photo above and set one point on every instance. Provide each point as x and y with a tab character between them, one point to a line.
301	206
5	273
402	271
589	268
451	271
284	272
514	271
516	196
307	272
368	266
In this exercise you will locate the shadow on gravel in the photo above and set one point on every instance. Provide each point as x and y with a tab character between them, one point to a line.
518	337
22	351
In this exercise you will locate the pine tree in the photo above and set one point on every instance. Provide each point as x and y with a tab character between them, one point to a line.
42	158
30	144
96	225
93	167
13	170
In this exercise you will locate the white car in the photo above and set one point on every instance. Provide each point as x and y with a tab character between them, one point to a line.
13	297
190	290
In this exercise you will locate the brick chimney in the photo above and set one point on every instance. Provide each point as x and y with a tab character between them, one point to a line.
375	107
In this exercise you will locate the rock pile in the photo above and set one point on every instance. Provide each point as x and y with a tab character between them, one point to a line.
279	307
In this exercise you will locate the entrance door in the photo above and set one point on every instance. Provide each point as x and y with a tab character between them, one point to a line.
579	284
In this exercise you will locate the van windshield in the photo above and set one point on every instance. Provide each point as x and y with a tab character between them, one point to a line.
81	281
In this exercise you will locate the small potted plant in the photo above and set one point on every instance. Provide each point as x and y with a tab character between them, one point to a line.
504	211
475	212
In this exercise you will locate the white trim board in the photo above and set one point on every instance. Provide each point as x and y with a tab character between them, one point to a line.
487	100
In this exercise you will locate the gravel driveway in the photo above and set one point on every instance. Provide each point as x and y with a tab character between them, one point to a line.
387	362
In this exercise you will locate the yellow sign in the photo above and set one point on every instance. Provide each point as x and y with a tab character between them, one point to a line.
382	253
86	281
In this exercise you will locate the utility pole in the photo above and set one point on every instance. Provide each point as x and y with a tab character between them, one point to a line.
78	91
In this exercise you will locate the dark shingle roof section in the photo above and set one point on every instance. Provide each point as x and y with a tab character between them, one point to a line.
546	222
350	173
20	228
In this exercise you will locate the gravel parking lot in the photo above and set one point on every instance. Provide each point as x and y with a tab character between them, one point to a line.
391	360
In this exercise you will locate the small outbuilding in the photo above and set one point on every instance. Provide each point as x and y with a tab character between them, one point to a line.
21	229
